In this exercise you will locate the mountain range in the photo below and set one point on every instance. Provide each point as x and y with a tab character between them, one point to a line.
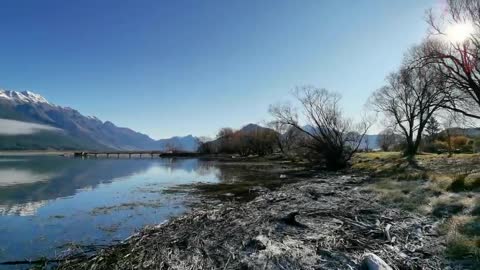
29	121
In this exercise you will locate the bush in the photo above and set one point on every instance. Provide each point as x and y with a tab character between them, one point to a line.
458	144
459	141
331	138
436	146
464	182
476	145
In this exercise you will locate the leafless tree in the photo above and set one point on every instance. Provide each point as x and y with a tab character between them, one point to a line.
171	147
257	141
332	137
387	139
225	133
412	95
451	121
287	137
367	143
455	56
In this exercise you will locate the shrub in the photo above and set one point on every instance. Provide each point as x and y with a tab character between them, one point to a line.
331	138
465	182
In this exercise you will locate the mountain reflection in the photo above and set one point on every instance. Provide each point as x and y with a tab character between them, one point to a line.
27	183
228	173
24	209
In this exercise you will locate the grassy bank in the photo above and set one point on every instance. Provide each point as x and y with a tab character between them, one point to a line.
445	188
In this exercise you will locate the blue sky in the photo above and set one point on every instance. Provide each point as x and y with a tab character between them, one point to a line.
190	67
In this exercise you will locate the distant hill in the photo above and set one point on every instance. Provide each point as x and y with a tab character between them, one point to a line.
66	128
188	143
469	132
253	128
247	129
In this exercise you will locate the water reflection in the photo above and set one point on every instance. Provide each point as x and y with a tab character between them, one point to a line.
26	183
10	177
48	202
231	173
21	209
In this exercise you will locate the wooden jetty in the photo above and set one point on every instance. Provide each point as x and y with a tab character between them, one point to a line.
132	154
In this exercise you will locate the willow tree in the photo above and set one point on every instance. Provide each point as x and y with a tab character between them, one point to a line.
331	137
387	139
409	99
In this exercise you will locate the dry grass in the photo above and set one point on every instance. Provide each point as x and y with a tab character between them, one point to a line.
409	195
443	187
463	238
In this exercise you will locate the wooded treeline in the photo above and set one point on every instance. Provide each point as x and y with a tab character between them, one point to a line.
328	137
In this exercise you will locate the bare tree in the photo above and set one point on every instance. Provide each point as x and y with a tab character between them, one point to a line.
287	137
451	121
412	95
171	147
256	141
448	124
367	143
387	139
332	137
225	133
454	50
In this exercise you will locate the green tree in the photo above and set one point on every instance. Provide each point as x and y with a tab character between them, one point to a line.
432	128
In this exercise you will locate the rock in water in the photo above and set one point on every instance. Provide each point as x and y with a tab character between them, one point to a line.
373	262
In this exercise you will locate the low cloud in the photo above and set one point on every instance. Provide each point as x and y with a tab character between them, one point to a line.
13	127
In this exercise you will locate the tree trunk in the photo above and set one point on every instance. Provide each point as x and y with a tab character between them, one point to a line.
449	143
410	149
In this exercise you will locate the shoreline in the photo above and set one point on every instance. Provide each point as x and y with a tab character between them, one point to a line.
33	152
306	219
207	157
324	220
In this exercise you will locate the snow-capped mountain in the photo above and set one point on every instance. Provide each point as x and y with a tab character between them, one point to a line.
77	131
22	97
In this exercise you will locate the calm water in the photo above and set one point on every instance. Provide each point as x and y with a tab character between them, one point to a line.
47	203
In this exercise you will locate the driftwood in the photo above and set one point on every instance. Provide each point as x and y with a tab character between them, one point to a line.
327	222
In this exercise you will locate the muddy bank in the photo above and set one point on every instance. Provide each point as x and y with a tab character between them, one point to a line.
322	222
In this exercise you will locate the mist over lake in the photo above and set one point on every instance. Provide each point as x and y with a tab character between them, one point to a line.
13	127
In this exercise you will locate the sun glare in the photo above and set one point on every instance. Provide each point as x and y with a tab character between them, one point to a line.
459	32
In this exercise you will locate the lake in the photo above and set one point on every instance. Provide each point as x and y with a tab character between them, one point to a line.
49	204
